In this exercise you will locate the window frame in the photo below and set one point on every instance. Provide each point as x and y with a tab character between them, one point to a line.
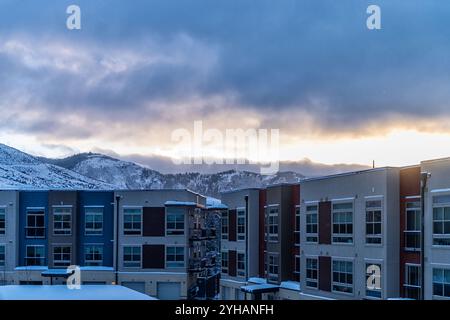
61	262
93	262
176	263
443	221
297	227
3	261
372	210
312	237
444	283
132	264
335	283
222	260
225	235
64	230
407	283
132	232
240	272
336	235
240	215
297	264
42	258
35	213
309	280
272	265
272	223
3	212
417	231
176	231
90	231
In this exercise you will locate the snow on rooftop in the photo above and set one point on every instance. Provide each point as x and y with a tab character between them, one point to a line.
257	280
290	285
62	292
180	203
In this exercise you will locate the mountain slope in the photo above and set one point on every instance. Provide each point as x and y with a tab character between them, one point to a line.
128	175
20	170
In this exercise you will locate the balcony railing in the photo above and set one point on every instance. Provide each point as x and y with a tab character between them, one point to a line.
412	240
202	234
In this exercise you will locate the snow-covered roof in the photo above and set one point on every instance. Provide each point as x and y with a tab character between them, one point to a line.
31	268
62	292
257	280
181	203
260	288
290	285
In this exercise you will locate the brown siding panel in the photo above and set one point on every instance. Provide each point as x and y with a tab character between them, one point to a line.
232	225
232	263
154	222
153	257
325	222
325	273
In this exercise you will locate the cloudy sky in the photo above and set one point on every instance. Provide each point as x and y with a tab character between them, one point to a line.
138	70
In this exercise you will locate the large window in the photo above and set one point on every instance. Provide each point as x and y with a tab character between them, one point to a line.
312	272
225	222
343	222
175	221
241	224
412	232
297	226
62	256
441	221
412	281
241	264
273	266
93	255
311	223
2	255
174	257
441	282
342	276
93	221
373	221
297	268
2	220
132	257
272	223
132	221
35	224
62	221
225	261
373	280
35	256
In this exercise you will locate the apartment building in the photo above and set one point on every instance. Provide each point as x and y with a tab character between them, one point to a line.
163	244
350	235
9	201
241	240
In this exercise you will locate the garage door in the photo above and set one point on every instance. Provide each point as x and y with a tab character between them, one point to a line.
169	290
136	286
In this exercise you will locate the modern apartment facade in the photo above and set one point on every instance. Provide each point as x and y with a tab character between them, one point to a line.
351	232
9	202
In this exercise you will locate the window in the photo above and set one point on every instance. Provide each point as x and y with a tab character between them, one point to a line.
93	221
61	256
312	272
132	221
241	224
441	222
175	221
241	264
441	282
35	256
297	226
272	267
272	224
412	281
175	257
342	276
2	255
225	225
2	220
297	268
35	224
343	222
413	224
225	262
373	221
62	221
132	257
93	255
373	280
311	223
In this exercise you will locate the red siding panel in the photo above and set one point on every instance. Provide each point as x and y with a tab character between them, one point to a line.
232	236
325	222
232	263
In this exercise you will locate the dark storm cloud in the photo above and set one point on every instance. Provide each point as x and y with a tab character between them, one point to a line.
272	56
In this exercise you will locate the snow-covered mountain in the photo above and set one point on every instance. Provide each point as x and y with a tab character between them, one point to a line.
129	175
19	170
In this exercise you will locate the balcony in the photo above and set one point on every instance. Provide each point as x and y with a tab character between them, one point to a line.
412	240
202	234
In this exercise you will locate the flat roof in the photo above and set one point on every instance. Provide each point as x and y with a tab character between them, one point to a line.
62	292
351	173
